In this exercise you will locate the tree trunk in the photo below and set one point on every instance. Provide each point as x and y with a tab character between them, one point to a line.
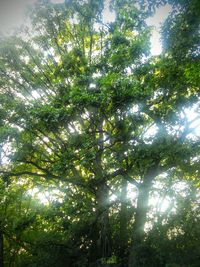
123	221
140	220
102	197
103	222
1	248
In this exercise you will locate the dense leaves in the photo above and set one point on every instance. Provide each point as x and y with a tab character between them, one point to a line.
100	127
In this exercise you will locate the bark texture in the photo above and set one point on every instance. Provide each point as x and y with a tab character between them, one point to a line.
104	223
123	220
136	259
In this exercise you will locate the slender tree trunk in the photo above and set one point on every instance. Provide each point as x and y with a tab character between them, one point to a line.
103	222
123	221
1	248
102	196
140	220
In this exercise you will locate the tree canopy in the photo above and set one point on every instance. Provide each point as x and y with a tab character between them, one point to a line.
89	115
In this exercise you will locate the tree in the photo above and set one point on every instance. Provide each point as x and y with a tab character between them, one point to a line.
87	107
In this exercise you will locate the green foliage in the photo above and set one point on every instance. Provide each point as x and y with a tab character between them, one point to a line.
85	113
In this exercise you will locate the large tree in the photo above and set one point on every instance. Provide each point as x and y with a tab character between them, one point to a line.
84	105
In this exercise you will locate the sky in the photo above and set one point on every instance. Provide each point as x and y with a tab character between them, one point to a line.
156	21
12	15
